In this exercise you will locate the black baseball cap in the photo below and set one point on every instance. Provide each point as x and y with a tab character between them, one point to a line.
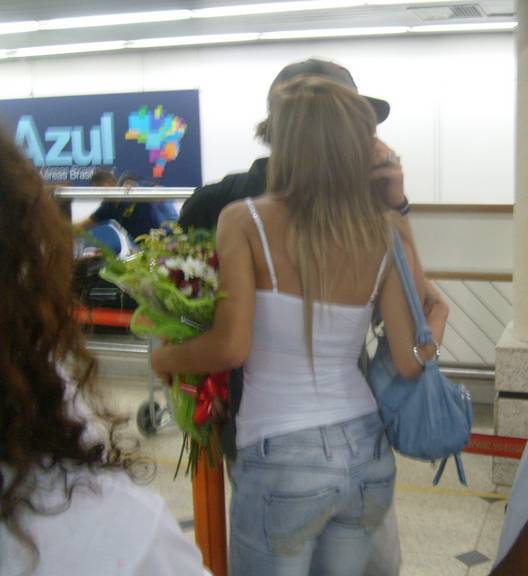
313	66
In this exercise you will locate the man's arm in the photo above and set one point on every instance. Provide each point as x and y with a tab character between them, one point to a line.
105	211
202	209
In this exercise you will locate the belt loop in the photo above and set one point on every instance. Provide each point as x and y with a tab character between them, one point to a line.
326	445
351	439
379	440
262	448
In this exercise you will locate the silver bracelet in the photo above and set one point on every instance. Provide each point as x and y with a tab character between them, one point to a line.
419	359
417	356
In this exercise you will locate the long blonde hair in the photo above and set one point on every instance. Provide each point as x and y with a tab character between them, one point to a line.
322	137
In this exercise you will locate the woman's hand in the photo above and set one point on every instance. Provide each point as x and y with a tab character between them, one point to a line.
160	361
387	175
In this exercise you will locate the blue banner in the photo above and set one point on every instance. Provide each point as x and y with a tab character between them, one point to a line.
154	134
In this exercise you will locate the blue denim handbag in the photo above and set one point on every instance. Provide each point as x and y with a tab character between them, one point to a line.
429	417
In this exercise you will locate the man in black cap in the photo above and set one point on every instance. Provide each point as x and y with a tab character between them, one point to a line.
202	209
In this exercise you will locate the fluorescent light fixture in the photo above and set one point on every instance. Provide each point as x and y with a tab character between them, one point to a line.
196	40
205	39
114	19
477	27
334	33
216	12
300	6
58	49
18	27
272	8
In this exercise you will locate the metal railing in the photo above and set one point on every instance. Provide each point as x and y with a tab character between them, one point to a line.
122	194
480	303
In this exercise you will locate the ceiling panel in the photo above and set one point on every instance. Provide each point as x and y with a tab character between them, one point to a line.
398	15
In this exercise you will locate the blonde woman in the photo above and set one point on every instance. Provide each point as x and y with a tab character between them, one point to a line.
304	265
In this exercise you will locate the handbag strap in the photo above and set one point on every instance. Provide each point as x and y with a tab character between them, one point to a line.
459	467
423	333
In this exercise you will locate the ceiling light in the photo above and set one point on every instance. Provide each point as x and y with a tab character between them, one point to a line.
299	6
334	33
478	27
271	8
114	19
18	27
216	12
58	49
205	39
193	40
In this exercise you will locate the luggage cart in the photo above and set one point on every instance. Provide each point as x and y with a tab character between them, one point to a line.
151	417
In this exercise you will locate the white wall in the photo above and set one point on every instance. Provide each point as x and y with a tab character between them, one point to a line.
452	99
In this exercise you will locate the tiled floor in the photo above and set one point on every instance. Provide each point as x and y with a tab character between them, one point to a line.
447	530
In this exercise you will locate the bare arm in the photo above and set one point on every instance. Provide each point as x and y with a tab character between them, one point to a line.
387	180
228	343
435	308
398	320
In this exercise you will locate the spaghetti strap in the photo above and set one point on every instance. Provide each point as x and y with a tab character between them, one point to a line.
267	254
381	270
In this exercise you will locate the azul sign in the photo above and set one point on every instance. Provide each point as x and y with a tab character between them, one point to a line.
67	143
155	134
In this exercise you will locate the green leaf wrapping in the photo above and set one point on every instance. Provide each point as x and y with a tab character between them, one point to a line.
166	313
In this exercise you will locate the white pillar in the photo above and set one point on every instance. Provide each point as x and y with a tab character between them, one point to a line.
520	274
511	364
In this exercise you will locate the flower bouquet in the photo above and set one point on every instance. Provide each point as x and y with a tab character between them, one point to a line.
174	279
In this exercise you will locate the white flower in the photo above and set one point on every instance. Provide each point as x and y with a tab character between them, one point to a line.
163	271
193	268
174	263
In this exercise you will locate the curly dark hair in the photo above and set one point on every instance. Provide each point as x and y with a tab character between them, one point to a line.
39	336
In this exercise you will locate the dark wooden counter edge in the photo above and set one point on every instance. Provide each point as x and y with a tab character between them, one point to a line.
462	208
469	276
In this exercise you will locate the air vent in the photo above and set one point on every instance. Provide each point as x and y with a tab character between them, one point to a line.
466	11
460	11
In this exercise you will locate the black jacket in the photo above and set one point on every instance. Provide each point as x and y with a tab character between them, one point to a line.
201	210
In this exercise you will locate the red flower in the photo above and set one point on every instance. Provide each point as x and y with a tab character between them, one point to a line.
177	277
195	287
213	261
213	386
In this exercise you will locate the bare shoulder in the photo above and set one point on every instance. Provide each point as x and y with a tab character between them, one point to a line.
235	212
233	223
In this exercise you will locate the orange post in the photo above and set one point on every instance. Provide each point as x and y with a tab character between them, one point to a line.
209	515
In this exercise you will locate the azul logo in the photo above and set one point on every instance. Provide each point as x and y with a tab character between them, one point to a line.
67	143
160	133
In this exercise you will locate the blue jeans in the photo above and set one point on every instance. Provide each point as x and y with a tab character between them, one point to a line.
309	502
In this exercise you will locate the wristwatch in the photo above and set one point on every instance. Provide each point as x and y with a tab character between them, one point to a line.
404	208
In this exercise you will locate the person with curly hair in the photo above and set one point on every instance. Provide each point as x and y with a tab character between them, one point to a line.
68	502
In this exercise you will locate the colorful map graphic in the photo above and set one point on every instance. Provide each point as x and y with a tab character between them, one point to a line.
160	133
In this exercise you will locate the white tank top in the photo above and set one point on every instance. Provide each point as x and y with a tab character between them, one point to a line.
281	391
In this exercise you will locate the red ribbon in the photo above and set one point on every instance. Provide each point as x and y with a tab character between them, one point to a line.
215	385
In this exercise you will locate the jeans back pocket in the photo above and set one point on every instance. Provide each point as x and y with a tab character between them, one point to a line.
377	497
290	520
